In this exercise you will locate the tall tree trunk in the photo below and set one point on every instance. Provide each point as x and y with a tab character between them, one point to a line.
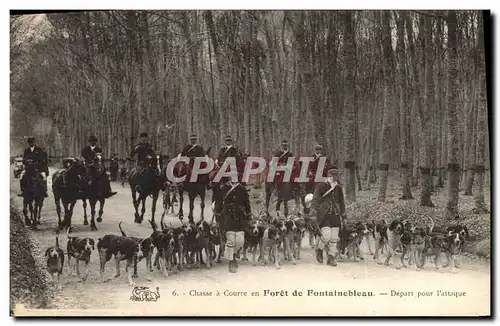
388	103
470	153
349	108
403	108
453	125
482	125
425	114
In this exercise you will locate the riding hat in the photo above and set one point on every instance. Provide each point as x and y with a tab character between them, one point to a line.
143	134
31	140
284	142
193	137
228	138
92	138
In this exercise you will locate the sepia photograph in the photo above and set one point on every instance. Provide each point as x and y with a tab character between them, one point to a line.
254	163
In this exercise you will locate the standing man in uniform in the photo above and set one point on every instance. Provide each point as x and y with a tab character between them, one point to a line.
38	156
236	217
329	207
89	154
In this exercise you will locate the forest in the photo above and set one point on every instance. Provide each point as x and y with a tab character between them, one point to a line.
383	91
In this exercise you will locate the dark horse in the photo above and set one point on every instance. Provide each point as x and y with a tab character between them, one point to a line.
94	191
194	189
68	186
285	190
146	180
33	195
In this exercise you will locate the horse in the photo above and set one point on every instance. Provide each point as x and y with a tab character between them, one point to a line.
194	189
94	191
285	190
33	195
146	180
113	169
68	185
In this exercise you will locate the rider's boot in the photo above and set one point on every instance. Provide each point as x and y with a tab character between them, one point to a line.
22	187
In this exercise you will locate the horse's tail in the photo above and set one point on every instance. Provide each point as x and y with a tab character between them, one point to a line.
120	227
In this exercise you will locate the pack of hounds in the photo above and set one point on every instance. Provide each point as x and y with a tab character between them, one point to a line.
276	239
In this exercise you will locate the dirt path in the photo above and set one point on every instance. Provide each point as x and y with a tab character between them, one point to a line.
91	297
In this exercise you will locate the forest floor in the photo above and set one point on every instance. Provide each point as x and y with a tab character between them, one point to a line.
113	298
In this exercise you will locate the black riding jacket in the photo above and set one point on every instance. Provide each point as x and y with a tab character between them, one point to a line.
39	157
142	150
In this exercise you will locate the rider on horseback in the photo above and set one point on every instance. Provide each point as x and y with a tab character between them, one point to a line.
194	149
89	154
282	156
284	153
229	151
314	165
37	156
144	152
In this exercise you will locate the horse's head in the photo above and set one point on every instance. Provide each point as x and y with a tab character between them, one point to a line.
159	163
180	169
98	161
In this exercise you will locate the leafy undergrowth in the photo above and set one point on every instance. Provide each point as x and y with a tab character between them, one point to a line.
28	282
367	207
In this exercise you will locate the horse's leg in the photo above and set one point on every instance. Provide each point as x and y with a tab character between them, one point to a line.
93	202
279	201
102	201
25	212
268	191
297	198
71	207
38	210
181	203
65	218
33	213
191	206
202	198
85	220
153	204
136	203
143	208
58	209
